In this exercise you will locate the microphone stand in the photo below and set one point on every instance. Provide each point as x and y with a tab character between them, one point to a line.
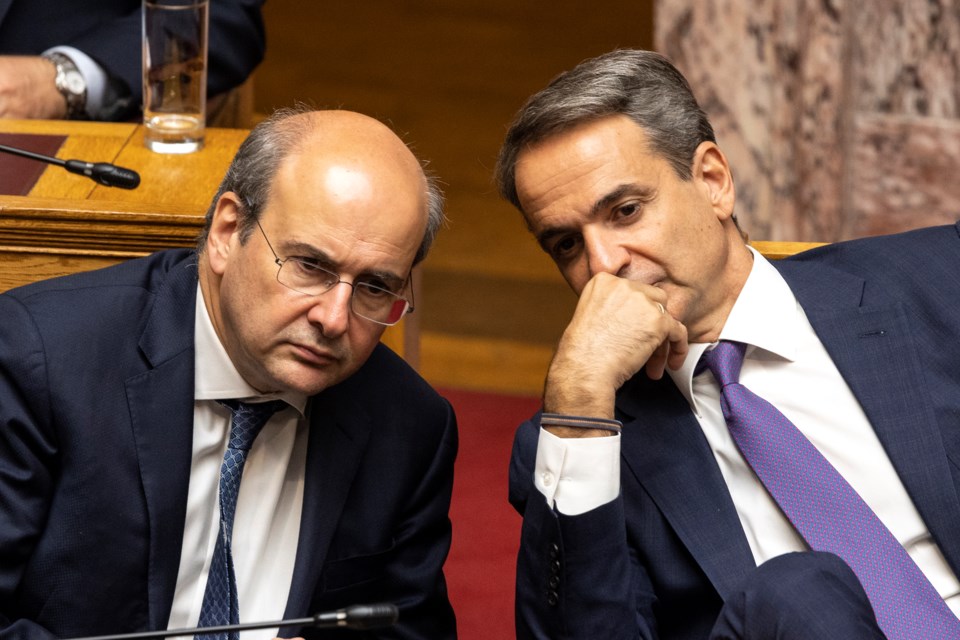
373	616
109	175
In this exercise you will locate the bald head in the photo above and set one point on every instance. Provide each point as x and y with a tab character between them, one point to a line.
339	138
351	136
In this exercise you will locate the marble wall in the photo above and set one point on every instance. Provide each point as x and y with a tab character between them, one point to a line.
840	118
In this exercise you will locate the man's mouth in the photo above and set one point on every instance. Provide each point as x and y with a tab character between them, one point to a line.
315	355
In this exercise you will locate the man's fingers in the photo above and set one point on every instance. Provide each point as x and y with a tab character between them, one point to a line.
671	352
678	346
657	362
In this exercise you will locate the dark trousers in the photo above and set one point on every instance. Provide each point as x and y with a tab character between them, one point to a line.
805	596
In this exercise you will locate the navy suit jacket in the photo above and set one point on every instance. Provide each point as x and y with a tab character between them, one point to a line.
661	560
96	423
109	31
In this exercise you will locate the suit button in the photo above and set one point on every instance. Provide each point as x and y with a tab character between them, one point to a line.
555	567
552	598
554	550
554	582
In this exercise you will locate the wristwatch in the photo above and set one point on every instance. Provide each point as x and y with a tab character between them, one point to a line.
70	83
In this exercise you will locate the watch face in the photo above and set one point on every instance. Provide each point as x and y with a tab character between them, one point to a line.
74	82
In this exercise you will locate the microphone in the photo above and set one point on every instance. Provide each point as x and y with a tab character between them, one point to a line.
360	616
109	175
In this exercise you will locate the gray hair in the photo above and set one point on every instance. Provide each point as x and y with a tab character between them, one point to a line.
253	169
641	85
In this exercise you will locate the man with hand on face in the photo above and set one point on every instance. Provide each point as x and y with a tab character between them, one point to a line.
728	448
129	398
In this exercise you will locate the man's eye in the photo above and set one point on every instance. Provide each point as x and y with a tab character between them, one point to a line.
628	210
375	289
307	265
309	269
565	247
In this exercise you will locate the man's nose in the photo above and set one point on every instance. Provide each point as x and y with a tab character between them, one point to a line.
604	255
331	310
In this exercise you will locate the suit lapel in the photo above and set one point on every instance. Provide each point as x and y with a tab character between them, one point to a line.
664	447
161	412
873	348
339	430
4	7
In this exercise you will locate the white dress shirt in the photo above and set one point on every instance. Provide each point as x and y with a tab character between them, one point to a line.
267	522
786	364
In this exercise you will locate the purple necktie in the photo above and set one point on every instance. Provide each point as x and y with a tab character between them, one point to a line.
220	604
825	509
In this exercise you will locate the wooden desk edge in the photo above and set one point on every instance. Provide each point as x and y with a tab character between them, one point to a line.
95	226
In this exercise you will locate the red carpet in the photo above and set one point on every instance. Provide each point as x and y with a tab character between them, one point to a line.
486	529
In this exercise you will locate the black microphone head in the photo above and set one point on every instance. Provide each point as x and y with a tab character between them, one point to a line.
114	176
104	173
371	616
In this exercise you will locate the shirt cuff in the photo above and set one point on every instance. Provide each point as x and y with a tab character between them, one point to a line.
577	475
93	73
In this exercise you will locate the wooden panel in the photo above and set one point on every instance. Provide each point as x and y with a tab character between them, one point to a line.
18	267
94	227
502	366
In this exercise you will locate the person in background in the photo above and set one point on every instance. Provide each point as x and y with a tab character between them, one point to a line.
217	436
81	60
728	447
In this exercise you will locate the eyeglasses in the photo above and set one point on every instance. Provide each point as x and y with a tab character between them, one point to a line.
370	300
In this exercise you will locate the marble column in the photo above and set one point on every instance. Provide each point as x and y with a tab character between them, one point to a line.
840	119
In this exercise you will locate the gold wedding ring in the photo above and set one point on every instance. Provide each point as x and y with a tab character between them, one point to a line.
662	310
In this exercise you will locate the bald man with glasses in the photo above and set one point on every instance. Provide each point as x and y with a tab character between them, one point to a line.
215	436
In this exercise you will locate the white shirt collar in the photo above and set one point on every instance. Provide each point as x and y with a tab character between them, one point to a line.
765	317
215	377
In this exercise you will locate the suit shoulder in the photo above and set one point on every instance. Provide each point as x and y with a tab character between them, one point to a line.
921	267
385	364
920	245
103	305
147	273
391	382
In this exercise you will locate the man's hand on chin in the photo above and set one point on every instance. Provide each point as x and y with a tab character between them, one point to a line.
619	327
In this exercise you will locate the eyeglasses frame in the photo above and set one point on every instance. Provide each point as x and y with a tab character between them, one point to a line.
281	261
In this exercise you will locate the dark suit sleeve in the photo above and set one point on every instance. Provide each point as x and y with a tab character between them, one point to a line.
28	448
236	46
415	580
394	534
576	576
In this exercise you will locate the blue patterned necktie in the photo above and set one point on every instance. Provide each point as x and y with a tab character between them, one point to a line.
220	605
825	509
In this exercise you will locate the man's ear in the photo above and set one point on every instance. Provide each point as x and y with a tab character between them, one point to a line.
224	232
712	172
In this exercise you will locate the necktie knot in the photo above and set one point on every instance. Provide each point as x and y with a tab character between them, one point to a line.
248	420
724	361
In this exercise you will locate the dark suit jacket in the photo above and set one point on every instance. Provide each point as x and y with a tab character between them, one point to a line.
661	559
109	31
96	415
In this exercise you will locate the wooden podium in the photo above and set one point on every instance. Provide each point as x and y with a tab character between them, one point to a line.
66	223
